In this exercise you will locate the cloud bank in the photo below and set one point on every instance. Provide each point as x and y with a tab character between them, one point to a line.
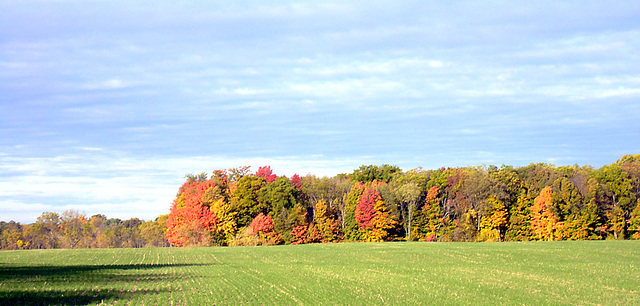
105	106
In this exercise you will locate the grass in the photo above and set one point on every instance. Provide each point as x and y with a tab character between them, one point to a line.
533	273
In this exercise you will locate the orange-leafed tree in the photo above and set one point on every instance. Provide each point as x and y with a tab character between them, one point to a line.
190	221
544	222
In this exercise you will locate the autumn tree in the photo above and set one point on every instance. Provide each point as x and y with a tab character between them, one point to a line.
544	222
470	202
11	236
325	223
582	224
429	218
495	222
45	233
259	232
263	225
266	173
153	232
634	222
372	215
190	221
303	230
631	166
75	229
333	191
235	174
217	199
225	222
519	228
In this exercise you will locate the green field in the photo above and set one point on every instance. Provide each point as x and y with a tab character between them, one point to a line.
577	272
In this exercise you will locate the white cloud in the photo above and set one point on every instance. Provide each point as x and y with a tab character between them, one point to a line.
108	84
91	149
123	186
621	91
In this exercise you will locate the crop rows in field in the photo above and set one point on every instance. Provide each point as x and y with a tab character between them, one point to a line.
604	272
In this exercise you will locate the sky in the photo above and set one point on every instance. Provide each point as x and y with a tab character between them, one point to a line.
106	105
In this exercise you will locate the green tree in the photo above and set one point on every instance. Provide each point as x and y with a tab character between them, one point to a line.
384	173
618	198
351	229
537	176
582	225
244	200
566	198
519	228
276	196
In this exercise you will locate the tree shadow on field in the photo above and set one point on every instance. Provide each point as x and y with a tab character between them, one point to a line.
65	297
72	284
11	272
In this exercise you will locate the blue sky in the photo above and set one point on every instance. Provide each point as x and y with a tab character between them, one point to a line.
106	105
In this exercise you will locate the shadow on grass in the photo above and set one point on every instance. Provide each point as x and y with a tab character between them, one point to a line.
8	272
67	297
47	285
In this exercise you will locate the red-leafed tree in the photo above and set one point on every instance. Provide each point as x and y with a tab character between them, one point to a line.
267	173
372	215
299	234
296	181
364	209
262	226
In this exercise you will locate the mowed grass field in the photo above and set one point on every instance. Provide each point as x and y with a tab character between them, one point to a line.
533	273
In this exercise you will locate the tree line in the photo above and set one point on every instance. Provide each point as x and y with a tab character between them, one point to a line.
235	206
73	230
381	203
